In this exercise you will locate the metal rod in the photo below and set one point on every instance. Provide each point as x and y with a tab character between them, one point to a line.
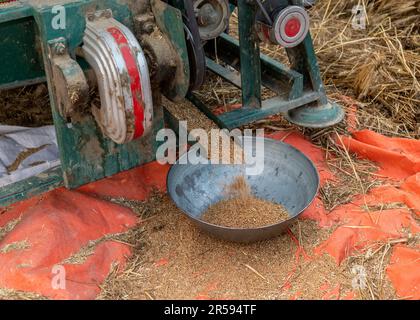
264	12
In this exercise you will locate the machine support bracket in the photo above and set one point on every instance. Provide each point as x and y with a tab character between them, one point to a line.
298	91
70	84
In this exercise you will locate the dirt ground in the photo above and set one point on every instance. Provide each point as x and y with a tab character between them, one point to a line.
175	260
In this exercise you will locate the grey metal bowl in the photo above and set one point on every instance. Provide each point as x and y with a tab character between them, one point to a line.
288	178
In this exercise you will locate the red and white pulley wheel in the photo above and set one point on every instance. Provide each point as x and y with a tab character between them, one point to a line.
113	52
291	26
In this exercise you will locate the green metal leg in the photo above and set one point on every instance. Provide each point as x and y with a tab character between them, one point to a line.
301	96
322	113
86	155
274	75
249	55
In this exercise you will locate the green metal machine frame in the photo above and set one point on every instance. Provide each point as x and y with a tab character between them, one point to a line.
305	102
27	40
26	37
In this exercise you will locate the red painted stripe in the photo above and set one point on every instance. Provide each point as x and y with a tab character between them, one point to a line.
135	82
266	32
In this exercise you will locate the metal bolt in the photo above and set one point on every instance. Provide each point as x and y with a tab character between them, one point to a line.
59	48
148	27
108	13
207	15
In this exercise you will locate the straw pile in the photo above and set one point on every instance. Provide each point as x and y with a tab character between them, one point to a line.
380	64
27	106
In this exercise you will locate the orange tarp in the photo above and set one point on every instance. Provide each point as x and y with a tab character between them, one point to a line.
58	224
404	273
398	158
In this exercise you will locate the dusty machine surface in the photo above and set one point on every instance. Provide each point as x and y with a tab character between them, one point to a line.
133	52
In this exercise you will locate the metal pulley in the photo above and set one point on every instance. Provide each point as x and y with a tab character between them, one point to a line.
288	26
113	52
196	55
212	17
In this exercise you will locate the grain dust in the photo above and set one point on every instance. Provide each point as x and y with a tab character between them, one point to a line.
221	148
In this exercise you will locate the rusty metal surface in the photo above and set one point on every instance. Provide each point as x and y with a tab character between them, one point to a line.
70	82
212	17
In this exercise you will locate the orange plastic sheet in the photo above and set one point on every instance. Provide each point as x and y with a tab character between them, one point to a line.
135	184
371	219
399	158
403	271
58	224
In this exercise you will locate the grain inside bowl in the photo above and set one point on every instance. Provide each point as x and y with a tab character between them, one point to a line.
240	209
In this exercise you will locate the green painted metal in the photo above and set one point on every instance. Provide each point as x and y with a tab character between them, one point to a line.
86	155
14	11
274	75
249	55
169	20
18	31
283	76
316	116
230	76
286	82
242	116
300	92
30	187
324	113
17	48
303	60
